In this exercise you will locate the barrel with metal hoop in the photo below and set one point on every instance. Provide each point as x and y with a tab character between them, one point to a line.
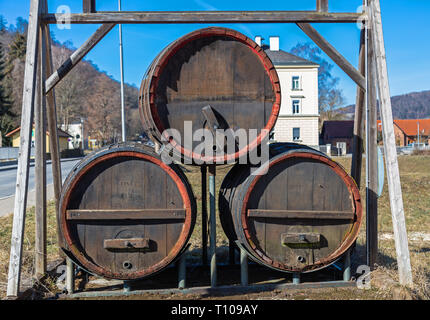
213	78
301	216
124	214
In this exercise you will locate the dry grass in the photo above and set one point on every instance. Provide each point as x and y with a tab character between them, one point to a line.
415	179
28	244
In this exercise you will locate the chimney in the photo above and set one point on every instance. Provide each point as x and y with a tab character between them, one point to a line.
258	40
274	43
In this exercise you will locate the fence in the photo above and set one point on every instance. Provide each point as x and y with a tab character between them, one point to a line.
10	153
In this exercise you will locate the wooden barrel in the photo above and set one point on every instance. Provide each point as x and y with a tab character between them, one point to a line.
301	216
215	78
124	214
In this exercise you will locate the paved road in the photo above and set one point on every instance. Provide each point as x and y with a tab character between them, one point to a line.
8	177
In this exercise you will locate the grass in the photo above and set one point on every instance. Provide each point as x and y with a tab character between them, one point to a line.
415	180
28	244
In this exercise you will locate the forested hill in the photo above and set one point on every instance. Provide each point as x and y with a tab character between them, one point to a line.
86	92
414	105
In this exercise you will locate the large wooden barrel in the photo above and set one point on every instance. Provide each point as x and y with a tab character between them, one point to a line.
301	216
124	214
213	77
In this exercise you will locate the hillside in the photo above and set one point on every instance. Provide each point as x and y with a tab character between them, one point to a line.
86	92
414	105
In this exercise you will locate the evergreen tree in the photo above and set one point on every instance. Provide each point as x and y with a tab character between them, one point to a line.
3	24
18	47
6	114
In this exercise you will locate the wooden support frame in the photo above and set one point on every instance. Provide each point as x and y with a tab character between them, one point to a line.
40	166
24	150
88	6
357	143
322	5
325	46
40	18
159	17
371	159
392	166
77	56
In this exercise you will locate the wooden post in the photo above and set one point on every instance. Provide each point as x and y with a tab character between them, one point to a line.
89	6
357	144
40	166
325	46
372	160
54	147
392	167
77	56
322	5
24	150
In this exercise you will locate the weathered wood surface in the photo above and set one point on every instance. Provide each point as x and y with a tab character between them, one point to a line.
204	79
77	56
301	214
126	214
24	153
322	5
40	165
127	244
372	159
118	193
88	6
303	193
51	113
392	166
325	46
357	143
156	17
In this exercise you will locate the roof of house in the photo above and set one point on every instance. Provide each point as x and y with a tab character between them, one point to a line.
410	126
338	129
282	58
60	133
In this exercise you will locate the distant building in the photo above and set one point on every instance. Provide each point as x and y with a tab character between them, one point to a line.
75	131
299	115
338	134
409	131
63	138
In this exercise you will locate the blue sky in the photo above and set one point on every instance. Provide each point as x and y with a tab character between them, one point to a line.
406	32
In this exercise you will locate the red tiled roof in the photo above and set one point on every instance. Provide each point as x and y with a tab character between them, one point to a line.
410	126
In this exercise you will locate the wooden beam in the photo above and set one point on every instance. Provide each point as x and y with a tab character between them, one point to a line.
300	214
325	46
40	165
357	143
24	150
125	214
54	147
89	6
127	244
392	167
322	5
77	56
371	159
156	17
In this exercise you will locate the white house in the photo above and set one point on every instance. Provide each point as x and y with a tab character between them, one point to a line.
298	116
75	130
